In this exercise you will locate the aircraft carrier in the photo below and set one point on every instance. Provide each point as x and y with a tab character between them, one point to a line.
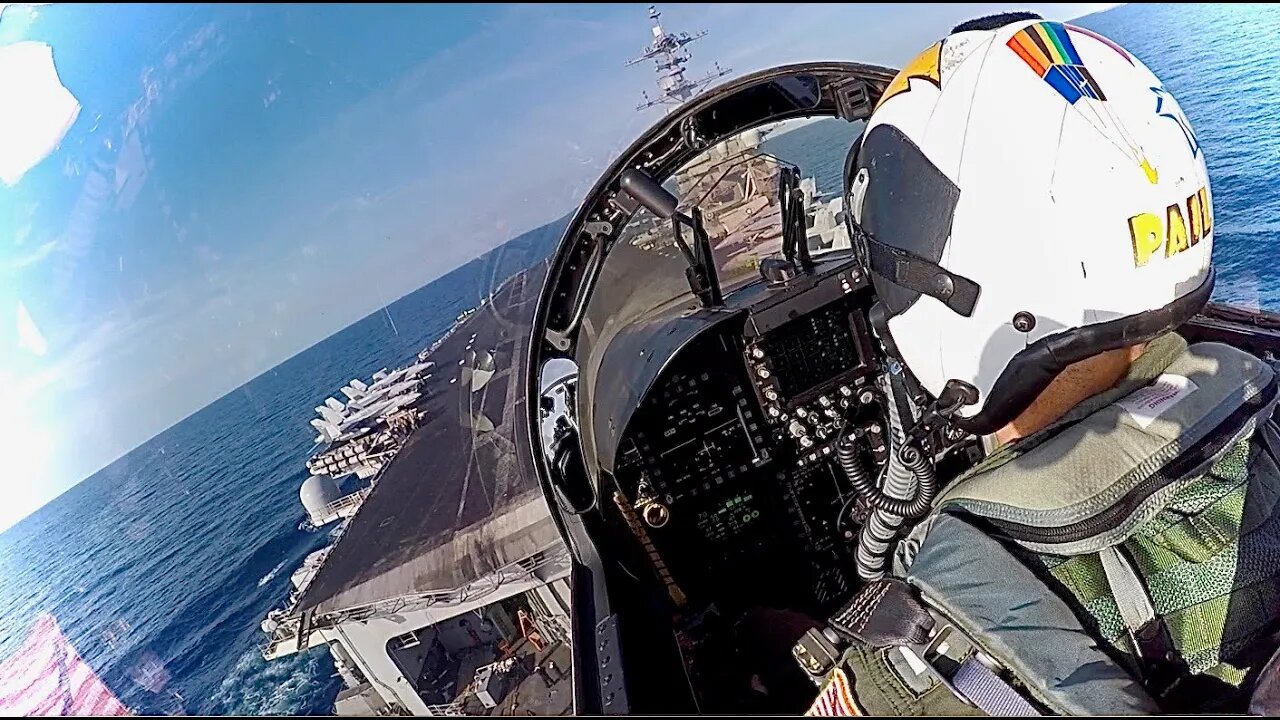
443	592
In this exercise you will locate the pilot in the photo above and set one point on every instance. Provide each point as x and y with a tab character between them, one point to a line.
1038	220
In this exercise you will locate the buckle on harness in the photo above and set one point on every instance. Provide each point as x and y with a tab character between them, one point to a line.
923	646
1158	663
1158	659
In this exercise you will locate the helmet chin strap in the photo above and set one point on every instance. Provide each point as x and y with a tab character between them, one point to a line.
956	394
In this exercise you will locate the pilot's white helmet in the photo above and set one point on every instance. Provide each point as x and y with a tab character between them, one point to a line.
1032	195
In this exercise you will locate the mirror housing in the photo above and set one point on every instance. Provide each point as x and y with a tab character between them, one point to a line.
645	190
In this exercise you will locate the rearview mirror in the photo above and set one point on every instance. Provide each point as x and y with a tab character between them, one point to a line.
646	191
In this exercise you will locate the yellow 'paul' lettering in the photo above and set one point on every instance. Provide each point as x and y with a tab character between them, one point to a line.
1206	208
1145	230
1177	241
1149	233
1195	214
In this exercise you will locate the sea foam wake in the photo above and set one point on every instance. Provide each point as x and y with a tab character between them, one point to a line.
281	687
271	575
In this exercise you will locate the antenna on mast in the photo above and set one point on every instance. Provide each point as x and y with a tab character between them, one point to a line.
669	57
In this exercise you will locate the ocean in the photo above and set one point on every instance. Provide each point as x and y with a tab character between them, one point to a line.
171	556
161	566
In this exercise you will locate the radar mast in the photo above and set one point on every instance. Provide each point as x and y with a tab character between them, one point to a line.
669	57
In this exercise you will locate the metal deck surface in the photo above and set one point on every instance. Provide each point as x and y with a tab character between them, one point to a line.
458	501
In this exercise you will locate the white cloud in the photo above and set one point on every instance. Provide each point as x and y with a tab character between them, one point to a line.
67	370
36	110
27	448
29	337
36	254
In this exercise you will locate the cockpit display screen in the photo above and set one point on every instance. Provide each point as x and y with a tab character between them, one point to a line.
810	351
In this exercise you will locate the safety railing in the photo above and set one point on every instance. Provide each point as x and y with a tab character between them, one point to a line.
453	709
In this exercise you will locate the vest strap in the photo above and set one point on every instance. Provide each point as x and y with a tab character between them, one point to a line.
985	689
1131	597
1157	656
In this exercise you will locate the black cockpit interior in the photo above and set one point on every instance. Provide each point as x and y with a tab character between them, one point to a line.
728	369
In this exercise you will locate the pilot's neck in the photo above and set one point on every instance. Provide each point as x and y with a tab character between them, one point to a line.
1077	383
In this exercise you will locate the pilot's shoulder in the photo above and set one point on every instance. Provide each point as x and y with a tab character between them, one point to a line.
1226	362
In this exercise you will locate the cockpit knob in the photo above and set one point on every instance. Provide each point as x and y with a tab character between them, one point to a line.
802	412
763	372
806	442
846	391
824	401
774	411
757	353
796	429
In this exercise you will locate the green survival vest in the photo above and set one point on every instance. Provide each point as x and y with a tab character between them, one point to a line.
1116	560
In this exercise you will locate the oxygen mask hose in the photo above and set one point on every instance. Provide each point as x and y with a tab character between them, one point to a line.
889	512
911	458
881	528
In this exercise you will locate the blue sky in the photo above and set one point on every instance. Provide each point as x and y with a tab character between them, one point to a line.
236	175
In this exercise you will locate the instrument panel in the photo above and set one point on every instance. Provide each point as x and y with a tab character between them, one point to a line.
697	432
726	458
809	352
813	367
697	461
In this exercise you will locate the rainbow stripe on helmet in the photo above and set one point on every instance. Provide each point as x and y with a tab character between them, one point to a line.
1047	49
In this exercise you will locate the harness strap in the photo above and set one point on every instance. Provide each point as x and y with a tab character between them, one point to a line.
888	614
884	613
986	690
1131	596
1157	657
